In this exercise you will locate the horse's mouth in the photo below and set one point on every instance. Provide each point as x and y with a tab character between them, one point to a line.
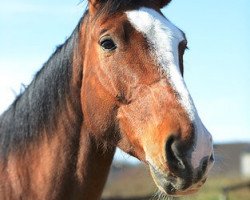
171	185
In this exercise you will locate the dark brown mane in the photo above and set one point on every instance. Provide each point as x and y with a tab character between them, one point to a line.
34	111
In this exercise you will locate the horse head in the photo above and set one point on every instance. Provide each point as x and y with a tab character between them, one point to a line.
134	95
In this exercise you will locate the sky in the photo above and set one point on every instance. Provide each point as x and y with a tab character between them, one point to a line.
217	64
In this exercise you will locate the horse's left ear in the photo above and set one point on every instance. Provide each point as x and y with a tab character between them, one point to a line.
94	5
164	3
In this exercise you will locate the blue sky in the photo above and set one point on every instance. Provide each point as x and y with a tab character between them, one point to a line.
217	66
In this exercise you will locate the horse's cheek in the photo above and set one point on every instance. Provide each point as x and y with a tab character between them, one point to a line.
98	108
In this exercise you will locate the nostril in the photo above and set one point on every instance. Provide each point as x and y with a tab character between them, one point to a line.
173	157
204	166
211	159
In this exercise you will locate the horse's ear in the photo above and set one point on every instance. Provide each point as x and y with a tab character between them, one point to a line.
164	3
94	5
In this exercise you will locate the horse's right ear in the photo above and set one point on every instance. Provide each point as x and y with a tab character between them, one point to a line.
94	5
164	3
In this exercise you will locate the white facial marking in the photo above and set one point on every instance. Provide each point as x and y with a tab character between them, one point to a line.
164	38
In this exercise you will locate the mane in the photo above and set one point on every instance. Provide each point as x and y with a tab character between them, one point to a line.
36	109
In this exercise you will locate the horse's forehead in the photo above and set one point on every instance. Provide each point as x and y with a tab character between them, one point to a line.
164	38
149	22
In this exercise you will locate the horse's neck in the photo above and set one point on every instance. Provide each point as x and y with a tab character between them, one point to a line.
92	168
46	153
61	167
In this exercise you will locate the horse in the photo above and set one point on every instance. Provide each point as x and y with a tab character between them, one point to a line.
116	82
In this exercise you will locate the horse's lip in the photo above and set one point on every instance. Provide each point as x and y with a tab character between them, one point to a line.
171	185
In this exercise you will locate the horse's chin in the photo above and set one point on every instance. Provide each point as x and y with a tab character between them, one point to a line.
174	186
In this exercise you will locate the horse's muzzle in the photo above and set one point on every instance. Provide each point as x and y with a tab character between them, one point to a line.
182	177
173	185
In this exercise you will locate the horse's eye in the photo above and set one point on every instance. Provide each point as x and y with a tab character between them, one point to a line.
108	44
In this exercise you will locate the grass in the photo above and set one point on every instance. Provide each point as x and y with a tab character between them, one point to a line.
137	182
212	190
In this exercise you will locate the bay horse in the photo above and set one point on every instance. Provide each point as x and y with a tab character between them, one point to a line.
117	81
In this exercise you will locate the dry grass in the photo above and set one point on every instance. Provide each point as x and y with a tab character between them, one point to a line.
137	182
130	182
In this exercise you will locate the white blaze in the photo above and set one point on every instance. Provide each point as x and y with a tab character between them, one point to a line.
164	38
